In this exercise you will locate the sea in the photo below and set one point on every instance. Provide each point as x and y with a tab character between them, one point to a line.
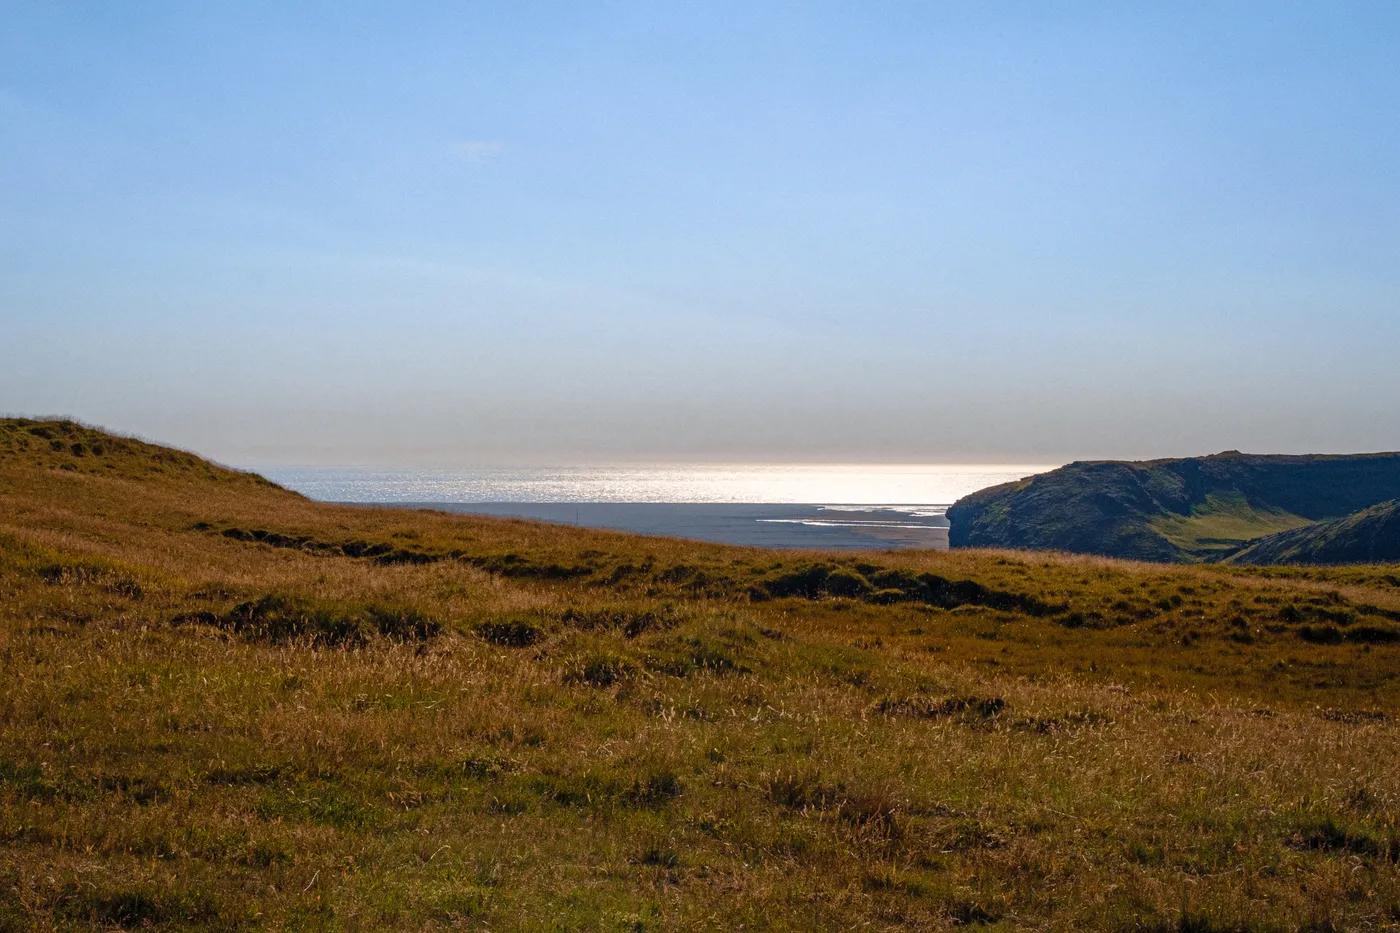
827	506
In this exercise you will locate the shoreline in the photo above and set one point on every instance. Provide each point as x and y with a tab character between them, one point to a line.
765	525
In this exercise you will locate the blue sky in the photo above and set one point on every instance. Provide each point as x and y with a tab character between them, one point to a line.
468	232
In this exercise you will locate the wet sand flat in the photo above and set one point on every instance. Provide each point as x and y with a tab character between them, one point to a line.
753	525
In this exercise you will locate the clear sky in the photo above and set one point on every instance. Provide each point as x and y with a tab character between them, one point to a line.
347	232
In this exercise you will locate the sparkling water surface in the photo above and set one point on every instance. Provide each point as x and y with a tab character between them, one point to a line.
843	506
899	486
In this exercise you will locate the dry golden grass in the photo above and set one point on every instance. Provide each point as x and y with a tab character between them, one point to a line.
214	717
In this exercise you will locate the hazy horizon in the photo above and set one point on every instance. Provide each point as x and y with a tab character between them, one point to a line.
621	233
398	459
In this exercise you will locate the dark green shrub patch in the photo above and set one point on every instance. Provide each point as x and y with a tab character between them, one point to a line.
683	656
631	622
971	913
874	809
87	573
1354	717
144	907
602	670
515	631
1325	834
514	565
401	623
660	857
1356	634
1372	634
657	789
246	776
26	780
921	707
280	619
1047	725
846	582
805	791
820	580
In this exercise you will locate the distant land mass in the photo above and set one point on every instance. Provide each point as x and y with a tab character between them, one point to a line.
1245	508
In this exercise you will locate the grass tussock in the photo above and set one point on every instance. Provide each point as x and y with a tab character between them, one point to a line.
284	619
228	708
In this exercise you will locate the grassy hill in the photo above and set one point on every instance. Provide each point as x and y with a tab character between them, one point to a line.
1184	511
1368	536
228	707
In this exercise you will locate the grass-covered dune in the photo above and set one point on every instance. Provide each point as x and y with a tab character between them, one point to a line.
225	707
1190	510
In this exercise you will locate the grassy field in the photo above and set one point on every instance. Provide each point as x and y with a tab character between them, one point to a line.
1222	524
223	706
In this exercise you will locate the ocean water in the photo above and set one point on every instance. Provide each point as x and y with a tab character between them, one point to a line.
843	484
842	506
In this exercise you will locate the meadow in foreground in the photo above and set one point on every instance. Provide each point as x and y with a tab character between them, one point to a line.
223	706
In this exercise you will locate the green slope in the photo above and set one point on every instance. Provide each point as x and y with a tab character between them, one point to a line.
1222	524
1182	511
1369	536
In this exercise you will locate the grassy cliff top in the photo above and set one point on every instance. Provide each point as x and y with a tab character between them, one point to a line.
67	445
228	707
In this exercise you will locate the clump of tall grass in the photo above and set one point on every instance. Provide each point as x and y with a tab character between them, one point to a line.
282	619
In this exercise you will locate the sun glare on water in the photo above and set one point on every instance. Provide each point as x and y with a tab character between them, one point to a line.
845	484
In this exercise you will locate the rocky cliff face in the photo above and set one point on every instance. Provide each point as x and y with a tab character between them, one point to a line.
1195	509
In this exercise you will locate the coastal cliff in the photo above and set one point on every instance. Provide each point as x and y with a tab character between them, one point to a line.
1181	511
